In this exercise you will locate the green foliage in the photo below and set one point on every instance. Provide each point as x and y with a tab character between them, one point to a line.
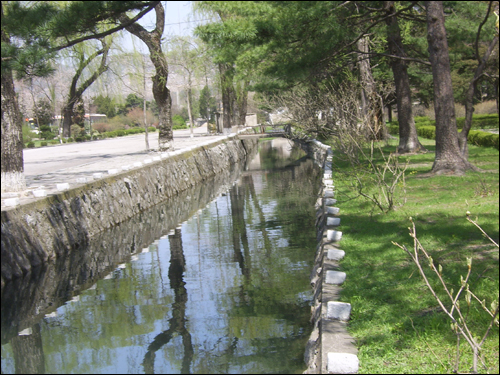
28	134
485	121
207	106
485	139
30	145
133	101
76	130
151	129
46	132
43	144
105	105
178	122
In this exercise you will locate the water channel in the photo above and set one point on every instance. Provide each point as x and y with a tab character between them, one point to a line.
215	280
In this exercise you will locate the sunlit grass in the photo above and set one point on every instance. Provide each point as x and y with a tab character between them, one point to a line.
398	325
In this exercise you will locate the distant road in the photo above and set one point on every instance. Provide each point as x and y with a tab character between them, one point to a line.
38	161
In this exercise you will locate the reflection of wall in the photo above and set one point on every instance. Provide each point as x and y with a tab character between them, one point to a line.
25	301
33	233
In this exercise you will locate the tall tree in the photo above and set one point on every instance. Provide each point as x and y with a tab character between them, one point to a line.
39	30
12	175
161	93
408	138
448	158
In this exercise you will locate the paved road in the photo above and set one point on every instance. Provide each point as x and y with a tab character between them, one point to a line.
46	167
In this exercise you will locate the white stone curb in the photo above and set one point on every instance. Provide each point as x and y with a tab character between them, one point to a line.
63	186
335	277
333	221
335	254
333	235
39	193
11	201
338	310
342	363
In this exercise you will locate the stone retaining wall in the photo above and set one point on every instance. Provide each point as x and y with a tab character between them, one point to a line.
33	233
330	348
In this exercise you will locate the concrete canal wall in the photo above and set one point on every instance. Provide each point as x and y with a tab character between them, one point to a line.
330	349
54	225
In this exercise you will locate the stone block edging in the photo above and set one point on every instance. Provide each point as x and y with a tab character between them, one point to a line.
330	349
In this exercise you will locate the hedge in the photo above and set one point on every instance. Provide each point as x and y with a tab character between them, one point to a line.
476	137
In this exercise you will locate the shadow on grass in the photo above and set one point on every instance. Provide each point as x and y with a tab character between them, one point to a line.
390	302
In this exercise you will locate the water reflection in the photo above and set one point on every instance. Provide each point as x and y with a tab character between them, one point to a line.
225	291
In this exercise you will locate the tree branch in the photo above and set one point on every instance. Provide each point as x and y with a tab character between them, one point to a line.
129	22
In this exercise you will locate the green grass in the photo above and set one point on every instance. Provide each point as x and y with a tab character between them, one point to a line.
398	325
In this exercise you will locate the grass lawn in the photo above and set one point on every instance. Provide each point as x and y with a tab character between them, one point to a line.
397	323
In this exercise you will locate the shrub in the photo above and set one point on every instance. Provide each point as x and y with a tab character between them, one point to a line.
134	131
76	130
80	139
31	145
28	134
70	139
46	132
479	138
178	122
120	133
427	132
43	144
151	129
480	122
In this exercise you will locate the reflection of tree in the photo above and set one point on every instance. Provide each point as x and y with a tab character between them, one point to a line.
240	237
28	352
177	323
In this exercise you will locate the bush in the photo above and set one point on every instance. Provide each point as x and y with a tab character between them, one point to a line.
76	130
480	122
80	139
70	139
151	129
120	133
178	122
46	132
479	138
43	144
427	132
28	134
134	131
31	145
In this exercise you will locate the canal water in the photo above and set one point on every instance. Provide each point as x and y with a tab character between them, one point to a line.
216	280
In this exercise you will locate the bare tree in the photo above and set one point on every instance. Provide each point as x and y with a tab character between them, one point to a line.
76	91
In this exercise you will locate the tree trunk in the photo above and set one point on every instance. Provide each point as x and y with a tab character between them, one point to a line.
448	158
226	89
12	174
160	91
408	138
242	97
371	101
469	99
